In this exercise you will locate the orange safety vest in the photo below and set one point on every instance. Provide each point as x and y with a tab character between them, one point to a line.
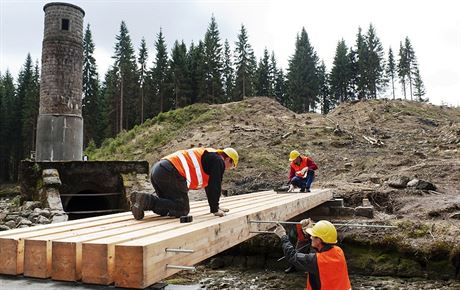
188	164
299	167
332	268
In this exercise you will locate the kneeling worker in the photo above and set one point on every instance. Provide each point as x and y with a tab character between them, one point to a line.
175	174
326	267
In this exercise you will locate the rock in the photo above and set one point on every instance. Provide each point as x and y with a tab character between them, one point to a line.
10	224
348	165
44	212
59	218
4	228
398	181
425	185
455	216
43	220
413	182
51	178
11	217
23	221
31	205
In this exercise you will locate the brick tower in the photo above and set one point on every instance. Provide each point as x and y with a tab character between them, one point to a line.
60	122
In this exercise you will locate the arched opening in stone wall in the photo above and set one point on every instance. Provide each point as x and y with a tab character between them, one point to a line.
89	203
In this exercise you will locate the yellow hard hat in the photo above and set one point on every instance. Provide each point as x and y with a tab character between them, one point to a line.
232	154
325	231
293	155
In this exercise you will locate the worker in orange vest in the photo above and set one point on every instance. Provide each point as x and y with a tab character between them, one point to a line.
174	175
326	267
302	171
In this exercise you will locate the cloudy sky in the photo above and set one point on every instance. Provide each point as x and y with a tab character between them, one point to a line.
433	26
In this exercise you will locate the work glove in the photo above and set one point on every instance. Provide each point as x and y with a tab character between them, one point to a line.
279	230
219	213
291	188
304	170
306	223
224	209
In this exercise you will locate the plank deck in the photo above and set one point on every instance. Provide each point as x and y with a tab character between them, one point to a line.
132	254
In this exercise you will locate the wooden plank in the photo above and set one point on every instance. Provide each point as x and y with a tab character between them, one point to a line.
98	255
142	262
12	261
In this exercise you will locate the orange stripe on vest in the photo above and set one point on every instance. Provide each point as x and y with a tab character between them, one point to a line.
333	272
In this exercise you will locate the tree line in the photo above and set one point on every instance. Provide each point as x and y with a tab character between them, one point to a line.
209	71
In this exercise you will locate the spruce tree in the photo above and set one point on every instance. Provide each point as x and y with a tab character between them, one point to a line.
179	74
126	70
280	89
214	63
303	84
419	87
411	64
158	75
324	92
391	70
374	63
361	58
273	69
196	69
9	122
92	104
340	78
228	73
142	60
402	68
28	92
245	65
263	75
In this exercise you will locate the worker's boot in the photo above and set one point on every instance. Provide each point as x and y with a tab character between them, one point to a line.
141	201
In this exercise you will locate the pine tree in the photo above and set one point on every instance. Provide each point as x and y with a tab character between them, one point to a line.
179	73
213	61
245	65
302	79
263	75
109	92
391	70
228	73
419	87
92	105
142	60
125	64
340	78
324	92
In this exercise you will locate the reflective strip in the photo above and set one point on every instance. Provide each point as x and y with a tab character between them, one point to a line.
183	161
196	164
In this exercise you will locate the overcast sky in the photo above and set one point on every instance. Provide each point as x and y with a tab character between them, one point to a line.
433	26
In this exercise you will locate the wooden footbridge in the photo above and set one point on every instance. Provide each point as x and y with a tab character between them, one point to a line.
136	254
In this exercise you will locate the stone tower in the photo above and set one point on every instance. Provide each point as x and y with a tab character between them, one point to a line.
60	122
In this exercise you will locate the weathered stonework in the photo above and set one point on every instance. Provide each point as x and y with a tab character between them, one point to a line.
60	123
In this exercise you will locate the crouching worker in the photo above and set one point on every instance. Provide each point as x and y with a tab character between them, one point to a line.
326	266
174	175
302	171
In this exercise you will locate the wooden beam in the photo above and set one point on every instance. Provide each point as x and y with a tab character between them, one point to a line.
142	262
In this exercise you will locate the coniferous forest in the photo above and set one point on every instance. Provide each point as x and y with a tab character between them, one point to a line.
212	71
